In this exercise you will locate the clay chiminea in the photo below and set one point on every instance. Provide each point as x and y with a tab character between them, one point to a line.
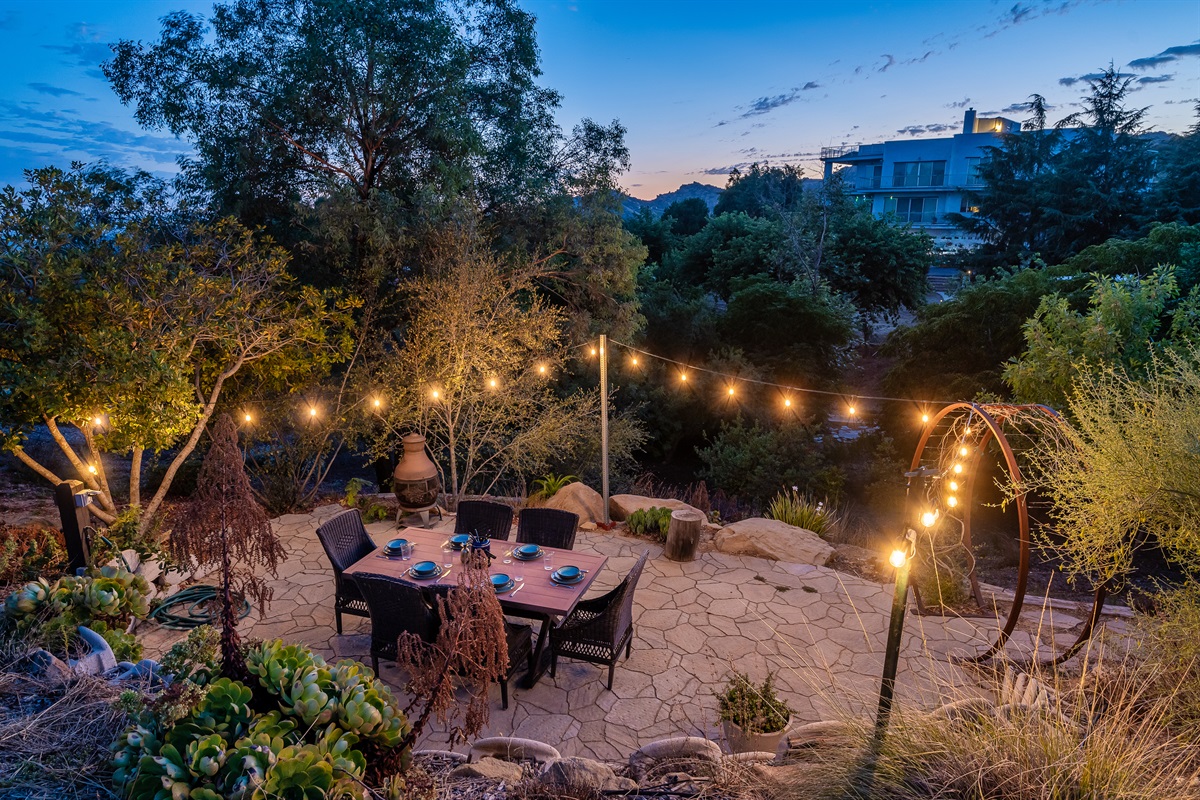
415	480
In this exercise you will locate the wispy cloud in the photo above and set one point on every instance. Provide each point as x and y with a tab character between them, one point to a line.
54	91
1070	81
767	104
888	64
966	101
1166	56
1156	79
936	127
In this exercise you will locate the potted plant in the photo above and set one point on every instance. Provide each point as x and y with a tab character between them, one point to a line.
754	719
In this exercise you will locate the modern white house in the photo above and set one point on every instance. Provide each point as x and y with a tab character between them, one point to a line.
922	180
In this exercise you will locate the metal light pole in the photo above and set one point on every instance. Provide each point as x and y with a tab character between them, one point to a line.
891	654
604	423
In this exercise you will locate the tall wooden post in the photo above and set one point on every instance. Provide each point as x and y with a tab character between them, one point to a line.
604	422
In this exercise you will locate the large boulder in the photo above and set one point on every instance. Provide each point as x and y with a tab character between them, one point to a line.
490	768
576	772
770	538
620	506
579	499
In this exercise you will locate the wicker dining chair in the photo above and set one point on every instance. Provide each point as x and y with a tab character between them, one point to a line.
494	520
547	527
600	628
397	607
518	637
345	541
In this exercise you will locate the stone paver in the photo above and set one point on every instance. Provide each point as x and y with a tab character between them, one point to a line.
822	632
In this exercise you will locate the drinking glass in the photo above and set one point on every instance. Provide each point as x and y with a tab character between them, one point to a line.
548	560
447	558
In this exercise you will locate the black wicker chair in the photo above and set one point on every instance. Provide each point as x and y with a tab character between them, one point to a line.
598	629
494	520
397	607
345	541
548	527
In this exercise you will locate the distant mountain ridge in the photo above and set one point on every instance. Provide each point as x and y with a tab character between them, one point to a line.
709	194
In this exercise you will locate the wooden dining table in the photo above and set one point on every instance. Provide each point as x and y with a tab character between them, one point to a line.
536	597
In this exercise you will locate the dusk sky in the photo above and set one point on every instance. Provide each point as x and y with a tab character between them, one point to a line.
701	86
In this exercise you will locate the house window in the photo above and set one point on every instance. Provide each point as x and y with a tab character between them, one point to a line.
870	177
968	207
919	173
973	176
913	210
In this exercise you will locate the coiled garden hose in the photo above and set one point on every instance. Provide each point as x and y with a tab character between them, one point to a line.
195	615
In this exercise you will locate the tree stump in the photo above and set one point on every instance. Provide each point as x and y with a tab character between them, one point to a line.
683	535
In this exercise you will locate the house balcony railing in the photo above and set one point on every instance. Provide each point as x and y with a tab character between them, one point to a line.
947	184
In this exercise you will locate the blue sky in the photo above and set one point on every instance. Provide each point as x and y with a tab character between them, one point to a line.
700	85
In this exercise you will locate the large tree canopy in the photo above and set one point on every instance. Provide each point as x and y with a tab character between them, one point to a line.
128	323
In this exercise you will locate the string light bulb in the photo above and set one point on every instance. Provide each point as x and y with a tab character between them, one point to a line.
925	418
952	501
683	376
958	469
541	369
898	558
312	411
377	402
633	360
967	430
731	391
491	383
434	394
928	518
954	486
787	402
248	418
964	451
98	421
593	351
852	410
92	468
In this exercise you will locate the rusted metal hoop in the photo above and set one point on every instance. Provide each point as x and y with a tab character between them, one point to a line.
994	429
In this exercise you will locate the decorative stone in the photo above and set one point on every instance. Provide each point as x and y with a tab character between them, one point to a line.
770	538
670	755
574	771
514	749
490	768
581	500
50	668
100	658
750	758
620	506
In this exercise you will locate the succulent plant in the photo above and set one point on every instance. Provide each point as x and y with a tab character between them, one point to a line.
27	600
366	705
276	664
300	773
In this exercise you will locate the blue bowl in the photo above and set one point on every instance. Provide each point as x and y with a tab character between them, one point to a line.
394	545
460	540
500	579
424	568
528	550
568	573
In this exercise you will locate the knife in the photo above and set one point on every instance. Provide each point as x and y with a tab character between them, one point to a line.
514	591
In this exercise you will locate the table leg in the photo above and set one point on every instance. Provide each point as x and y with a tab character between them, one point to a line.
541	654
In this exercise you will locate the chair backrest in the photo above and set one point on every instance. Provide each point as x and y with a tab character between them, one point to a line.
345	540
548	527
397	607
621	610
493	520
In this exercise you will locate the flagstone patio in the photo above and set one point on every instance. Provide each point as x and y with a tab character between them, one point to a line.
821	631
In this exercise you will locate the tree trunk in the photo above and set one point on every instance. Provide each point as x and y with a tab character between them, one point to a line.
683	535
135	476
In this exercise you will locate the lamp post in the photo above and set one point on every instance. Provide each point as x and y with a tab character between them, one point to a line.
899	559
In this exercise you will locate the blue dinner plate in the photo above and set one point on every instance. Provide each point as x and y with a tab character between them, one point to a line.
459	540
527	552
501	582
567	575
425	569
394	545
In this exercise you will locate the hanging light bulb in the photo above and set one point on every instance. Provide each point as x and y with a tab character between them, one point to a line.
964	451
377	402
593	351
312	411
787	402
852	410
958	469
928	518
731	391
952	501
683	376
967	430
633	360
541	369
898	558
954	486
925	418
491	383
98	421
435	394
248	418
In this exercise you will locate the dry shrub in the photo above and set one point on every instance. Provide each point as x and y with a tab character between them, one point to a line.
57	747
694	494
1100	737
1171	640
29	552
469	653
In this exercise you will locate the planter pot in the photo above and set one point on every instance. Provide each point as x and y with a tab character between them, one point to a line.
742	742
415	480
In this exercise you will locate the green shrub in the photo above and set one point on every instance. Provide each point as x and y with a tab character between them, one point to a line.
754	709
123	534
197	658
312	732
752	461
30	552
653	521
803	511
548	485
353	487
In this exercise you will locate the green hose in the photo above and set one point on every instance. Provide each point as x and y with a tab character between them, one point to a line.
194	598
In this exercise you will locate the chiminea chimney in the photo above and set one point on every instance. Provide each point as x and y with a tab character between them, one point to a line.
969	121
